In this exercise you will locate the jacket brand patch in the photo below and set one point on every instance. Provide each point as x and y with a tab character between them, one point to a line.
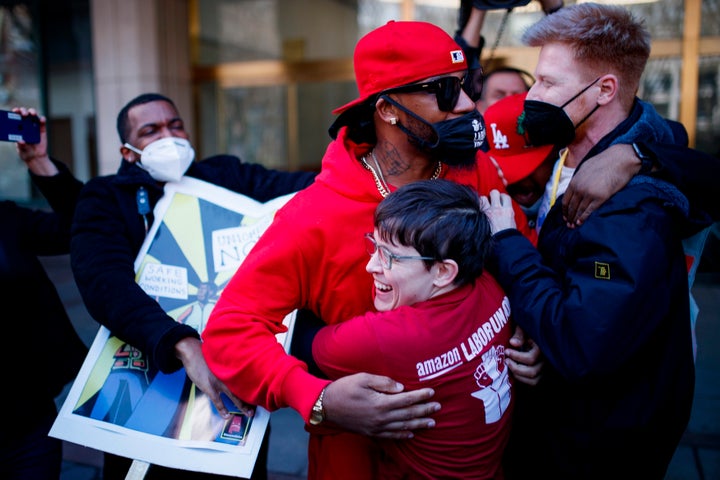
602	270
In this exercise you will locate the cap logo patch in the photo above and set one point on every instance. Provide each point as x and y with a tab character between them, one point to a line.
457	56
499	139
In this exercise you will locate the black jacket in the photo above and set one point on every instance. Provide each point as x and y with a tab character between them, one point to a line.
107	235
608	305
694	172
43	351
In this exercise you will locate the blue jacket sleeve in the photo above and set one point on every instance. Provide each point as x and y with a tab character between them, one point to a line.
52	230
595	298
250	179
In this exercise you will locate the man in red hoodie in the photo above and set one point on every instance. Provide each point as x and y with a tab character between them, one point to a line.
412	121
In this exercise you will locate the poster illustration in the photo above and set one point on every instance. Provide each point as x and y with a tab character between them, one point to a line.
122	404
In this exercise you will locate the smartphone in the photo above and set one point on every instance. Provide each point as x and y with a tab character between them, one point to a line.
14	127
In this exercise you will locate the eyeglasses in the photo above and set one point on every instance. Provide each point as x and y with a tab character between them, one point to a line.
386	257
446	89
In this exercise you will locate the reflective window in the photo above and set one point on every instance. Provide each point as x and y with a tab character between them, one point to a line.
19	86
309	69
708	106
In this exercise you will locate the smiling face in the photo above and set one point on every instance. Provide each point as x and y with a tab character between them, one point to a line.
408	281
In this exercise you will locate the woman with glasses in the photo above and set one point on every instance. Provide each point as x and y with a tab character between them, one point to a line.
441	322
411	122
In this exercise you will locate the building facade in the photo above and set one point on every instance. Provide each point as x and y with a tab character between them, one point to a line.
259	78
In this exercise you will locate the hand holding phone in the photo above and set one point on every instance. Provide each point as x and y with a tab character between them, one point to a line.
32	149
15	127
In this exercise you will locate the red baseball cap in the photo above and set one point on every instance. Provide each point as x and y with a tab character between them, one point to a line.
508	146
400	53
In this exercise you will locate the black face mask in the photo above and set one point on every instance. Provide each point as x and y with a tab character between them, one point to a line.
548	124
456	141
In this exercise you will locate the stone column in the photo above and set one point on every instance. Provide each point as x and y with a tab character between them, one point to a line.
139	46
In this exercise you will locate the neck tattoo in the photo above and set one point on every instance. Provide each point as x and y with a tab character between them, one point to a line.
380	182
380	175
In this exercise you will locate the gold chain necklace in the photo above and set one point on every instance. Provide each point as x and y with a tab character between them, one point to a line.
384	192
379	172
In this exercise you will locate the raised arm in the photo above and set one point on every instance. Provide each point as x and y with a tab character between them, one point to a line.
59	187
35	155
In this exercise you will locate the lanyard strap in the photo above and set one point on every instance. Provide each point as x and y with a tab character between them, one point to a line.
556	179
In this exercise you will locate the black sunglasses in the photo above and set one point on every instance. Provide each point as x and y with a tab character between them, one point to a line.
446	90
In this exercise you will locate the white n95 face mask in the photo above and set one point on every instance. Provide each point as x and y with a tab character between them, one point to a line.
167	159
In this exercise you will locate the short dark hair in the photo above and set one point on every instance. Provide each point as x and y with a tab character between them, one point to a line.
360	122
527	78
123	126
440	219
